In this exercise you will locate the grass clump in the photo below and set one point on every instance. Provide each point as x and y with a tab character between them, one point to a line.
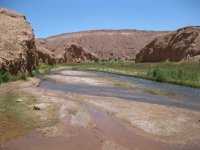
44	68
159	92
33	72
157	75
23	76
5	76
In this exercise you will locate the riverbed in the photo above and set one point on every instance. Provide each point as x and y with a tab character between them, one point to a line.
104	111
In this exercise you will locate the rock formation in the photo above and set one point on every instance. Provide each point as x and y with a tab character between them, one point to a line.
123	44
45	56
180	45
17	43
74	53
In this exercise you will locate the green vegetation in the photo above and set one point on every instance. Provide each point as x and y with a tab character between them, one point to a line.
23	76
159	92
44	68
33	72
183	73
5	76
16	117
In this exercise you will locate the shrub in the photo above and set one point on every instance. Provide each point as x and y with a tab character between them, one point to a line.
4	76
23	76
33	72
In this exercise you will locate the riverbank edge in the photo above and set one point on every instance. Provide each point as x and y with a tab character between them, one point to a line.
136	76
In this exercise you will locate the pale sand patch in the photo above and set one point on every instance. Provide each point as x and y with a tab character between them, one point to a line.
59	68
112	145
75	73
81	118
162	122
78	80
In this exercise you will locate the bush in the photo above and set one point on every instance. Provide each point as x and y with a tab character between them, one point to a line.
23	76
4	76
33	72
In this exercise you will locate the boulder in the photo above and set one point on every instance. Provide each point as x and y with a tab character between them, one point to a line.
194	59
17	43
40	106
180	45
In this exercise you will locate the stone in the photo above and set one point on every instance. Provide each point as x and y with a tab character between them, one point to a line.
19	100
40	106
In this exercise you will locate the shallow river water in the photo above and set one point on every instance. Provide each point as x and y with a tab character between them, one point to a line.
83	124
169	94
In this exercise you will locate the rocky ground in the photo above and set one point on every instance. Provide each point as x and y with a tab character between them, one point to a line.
96	122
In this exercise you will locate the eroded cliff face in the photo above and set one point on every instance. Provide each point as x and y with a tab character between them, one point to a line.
45	56
17	43
180	45
74	53
122	44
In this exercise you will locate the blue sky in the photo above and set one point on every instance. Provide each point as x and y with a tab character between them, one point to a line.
51	17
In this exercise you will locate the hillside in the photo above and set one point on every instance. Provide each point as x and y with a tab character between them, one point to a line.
123	44
180	45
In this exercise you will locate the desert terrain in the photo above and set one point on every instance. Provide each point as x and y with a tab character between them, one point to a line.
84	90
93	121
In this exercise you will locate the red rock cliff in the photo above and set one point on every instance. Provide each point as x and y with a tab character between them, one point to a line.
180	45
17	43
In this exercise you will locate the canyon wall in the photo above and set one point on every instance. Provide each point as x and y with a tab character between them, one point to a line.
106	44
180	45
17	43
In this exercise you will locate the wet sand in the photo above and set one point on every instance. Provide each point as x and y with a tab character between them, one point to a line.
105	134
88	122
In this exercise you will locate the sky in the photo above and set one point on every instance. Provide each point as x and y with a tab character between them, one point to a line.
52	17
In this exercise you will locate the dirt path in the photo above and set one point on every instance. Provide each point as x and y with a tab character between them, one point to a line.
104	123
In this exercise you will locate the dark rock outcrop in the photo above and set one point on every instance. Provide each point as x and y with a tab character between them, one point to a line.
122	44
17	43
180	45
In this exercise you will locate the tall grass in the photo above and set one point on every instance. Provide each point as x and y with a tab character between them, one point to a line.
184	73
162	75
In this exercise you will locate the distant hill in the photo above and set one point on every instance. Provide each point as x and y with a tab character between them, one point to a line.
123	44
